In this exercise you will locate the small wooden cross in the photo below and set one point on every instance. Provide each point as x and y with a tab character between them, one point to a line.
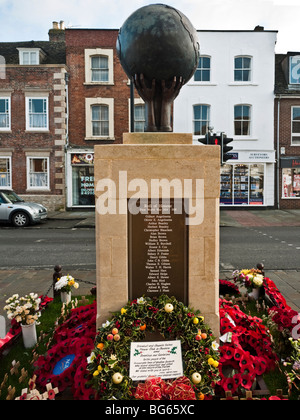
24	375
228	396
4	381
50	394
10	393
15	368
84	301
31	383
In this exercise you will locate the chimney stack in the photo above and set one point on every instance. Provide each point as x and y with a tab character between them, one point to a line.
57	33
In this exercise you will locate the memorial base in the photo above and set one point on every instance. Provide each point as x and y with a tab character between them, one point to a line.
154	167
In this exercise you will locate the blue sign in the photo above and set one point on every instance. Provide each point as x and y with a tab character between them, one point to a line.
295	70
63	364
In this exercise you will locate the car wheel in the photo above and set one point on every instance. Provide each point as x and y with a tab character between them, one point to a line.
20	219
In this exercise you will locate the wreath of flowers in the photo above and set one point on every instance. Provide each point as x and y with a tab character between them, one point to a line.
74	338
109	362
247	351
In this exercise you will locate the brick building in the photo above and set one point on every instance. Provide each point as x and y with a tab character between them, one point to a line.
99	106
33	119
287	130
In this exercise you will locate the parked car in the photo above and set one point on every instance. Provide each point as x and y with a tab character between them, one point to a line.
16	211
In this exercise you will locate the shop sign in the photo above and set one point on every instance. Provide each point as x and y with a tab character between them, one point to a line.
82	159
292	162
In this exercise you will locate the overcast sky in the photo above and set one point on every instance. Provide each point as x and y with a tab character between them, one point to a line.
24	20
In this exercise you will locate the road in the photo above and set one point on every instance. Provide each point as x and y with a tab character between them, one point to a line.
241	247
45	248
277	247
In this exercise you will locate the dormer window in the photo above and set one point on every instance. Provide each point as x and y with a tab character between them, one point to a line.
295	70
30	56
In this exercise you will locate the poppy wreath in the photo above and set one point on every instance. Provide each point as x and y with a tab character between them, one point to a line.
82	322
228	288
74	350
247	352
75	338
109	362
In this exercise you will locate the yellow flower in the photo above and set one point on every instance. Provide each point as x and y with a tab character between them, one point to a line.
211	361
100	368
96	373
123	311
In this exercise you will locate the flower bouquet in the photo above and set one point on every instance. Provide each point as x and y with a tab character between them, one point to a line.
26	311
64	286
252	280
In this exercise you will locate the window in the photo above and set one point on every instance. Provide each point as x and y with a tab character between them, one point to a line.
295	126
4	113
290	183
100	120
242	69
242	185
38	173
295	70
100	69
201	119
99	66
30	56
139	118
203	71
242	120
5	172
37	114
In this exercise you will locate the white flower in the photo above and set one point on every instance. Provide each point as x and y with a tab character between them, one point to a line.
91	358
215	346
106	324
258	280
140	301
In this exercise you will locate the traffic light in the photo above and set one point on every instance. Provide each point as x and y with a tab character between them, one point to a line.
219	140
226	149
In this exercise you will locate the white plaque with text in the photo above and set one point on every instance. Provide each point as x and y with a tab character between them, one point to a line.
159	358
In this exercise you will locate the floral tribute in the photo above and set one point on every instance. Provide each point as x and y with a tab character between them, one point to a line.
109	362
25	310
247	351
65	284
65	364
157	389
251	279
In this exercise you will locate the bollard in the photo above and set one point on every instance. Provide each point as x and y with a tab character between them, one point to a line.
261	268
56	276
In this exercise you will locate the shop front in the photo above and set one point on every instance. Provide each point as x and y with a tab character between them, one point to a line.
248	179
80	179
290	182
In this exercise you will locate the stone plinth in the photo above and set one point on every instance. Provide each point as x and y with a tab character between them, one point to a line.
149	166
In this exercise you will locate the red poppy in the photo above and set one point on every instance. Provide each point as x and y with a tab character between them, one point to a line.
227	352
229	384
247	381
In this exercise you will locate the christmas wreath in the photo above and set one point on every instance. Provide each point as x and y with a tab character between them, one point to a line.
109	362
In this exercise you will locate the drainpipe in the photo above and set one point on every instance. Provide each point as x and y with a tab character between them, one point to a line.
278	153
67	76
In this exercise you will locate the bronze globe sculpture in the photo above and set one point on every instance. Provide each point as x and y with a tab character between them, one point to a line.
159	50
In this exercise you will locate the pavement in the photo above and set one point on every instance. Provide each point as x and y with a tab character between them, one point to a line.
228	218
39	281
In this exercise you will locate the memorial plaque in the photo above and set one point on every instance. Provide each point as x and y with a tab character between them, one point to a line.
158	249
160	359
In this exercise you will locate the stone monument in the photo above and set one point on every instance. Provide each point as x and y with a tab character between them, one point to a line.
157	211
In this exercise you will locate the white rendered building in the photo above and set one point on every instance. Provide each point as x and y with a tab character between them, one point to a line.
233	92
